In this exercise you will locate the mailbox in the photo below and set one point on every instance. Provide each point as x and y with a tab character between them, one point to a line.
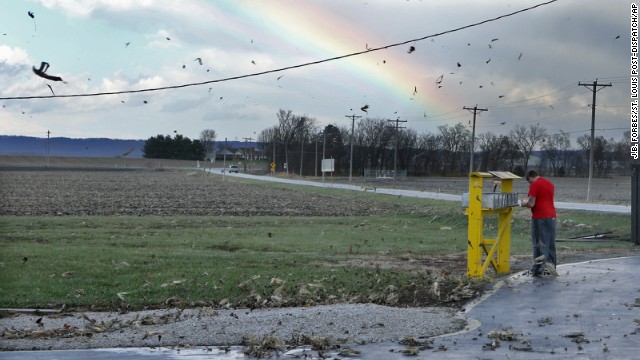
481	203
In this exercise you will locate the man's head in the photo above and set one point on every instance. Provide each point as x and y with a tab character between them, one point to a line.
531	176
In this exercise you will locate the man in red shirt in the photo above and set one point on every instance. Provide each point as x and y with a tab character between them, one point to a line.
543	221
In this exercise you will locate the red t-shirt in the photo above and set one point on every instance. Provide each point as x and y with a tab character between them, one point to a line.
542	189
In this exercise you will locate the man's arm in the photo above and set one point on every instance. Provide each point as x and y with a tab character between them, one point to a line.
529	202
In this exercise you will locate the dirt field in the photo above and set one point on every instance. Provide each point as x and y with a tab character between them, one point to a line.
160	192
613	190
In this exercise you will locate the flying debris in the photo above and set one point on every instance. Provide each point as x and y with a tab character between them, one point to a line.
33	16
459	65
127	44
519	56
253	62
488	61
199	60
439	79
145	101
42	72
502	123
279	77
50	88
366	46
494	39
500	97
411	49
365	108
415	90
168	38
617	37
127	152
490	47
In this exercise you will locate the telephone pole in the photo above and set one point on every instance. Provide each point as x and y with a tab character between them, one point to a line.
595	87
395	152
250	156
475	111
353	120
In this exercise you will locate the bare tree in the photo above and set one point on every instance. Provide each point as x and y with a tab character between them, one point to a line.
427	159
603	153
527	138
374	137
208	139
268	139
456	141
407	140
555	149
288	125
493	151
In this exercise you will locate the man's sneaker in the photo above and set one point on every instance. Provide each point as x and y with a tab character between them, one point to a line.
548	270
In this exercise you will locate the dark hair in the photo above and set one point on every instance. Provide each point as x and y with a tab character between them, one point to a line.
531	174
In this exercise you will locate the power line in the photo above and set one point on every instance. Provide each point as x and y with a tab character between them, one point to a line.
368	50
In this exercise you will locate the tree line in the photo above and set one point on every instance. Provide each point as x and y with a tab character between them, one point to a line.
378	144
301	143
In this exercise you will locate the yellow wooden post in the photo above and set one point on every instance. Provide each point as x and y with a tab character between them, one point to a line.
497	250
474	213
504	226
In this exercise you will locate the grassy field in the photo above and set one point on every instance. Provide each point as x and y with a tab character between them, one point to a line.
137	262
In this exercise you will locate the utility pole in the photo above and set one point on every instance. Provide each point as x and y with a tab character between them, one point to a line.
353	120
247	157
224	159
475	111
595	87
395	152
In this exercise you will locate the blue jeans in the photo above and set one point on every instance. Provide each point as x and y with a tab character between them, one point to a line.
543	239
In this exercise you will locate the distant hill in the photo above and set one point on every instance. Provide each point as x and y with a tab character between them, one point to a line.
90	147
61	146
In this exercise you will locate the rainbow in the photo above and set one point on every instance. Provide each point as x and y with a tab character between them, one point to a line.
317	31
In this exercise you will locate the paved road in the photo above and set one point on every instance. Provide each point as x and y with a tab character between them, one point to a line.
619	209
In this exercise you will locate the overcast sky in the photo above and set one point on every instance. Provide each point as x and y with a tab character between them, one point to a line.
524	69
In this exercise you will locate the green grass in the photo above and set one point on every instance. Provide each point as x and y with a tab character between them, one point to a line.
85	262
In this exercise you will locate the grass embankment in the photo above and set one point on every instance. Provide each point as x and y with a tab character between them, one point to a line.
147	262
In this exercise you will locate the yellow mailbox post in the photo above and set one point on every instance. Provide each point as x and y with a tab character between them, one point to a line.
480	204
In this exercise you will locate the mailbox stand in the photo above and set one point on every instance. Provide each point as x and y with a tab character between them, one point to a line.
480	205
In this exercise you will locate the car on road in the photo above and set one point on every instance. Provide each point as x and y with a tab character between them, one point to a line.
233	169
